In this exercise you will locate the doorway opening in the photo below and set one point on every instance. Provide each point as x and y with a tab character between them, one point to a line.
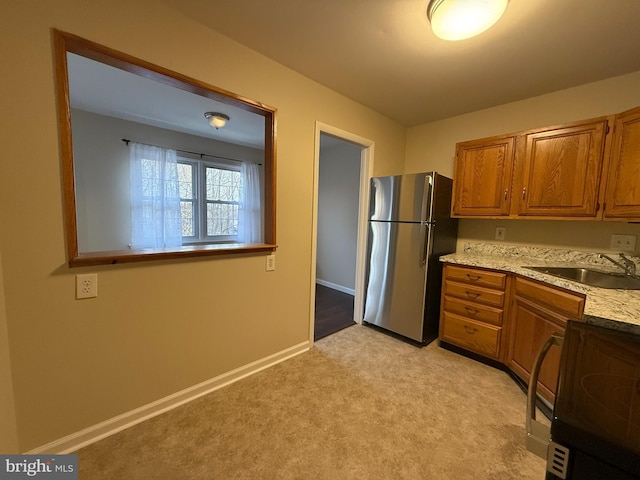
342	167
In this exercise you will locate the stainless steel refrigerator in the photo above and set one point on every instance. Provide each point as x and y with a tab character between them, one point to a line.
409	228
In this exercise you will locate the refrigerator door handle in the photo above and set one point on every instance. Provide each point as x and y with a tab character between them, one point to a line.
427	193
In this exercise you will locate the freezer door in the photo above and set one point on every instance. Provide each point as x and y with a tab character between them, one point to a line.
401	198
396	277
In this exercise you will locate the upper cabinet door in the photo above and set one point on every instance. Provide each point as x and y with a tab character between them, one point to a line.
482	177
561	169
622	198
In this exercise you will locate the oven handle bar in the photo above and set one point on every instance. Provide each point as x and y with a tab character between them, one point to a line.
538	434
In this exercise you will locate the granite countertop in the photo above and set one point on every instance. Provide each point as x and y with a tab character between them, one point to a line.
611	308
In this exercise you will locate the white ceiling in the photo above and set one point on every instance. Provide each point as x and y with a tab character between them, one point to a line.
100	88
382	53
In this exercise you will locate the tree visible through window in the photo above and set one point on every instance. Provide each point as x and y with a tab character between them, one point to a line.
188	206
210	197
224	191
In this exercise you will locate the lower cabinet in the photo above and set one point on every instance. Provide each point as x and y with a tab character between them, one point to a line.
538	311
472	310
475	336
507	318
530	329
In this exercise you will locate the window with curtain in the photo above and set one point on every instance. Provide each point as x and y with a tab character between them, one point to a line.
155	198
210	199
250	228
215	202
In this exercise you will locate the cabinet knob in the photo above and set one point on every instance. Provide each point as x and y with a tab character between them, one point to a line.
471	311
474	278
472	294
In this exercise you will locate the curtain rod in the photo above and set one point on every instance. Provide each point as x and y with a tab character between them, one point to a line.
127	141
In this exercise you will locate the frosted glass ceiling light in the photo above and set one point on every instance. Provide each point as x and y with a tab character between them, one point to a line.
217	120
460	19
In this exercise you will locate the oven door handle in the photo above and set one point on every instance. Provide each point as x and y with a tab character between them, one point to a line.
538	434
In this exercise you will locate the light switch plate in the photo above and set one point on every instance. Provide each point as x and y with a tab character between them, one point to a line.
500	233
270	265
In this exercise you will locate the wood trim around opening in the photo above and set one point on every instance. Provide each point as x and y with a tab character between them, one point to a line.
65	42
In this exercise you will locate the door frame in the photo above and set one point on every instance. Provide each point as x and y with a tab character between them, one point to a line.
366	170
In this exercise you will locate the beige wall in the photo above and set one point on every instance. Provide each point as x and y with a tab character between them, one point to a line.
159	327
432	147
8	436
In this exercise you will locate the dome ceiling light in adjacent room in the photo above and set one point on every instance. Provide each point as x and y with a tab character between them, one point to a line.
217	120
460	19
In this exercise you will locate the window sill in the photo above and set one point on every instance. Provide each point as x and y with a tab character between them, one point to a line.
153	254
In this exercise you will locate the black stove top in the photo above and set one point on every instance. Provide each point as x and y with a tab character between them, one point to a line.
597	407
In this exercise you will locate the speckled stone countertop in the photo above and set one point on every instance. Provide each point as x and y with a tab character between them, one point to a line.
617	309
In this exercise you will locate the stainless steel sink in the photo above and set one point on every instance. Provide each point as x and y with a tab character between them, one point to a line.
594	278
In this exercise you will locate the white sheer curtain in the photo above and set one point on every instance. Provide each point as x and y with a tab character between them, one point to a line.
250	213
155	197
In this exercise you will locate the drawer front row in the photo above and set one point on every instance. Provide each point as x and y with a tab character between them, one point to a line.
476	336
476	294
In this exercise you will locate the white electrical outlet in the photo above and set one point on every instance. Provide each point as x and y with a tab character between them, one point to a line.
271	263
500	232
87	285
623	243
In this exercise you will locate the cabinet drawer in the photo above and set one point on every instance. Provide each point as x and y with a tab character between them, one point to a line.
478	277
572	304
472	310
478	337
474	293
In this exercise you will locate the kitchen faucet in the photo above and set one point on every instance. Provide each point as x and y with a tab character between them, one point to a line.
628	265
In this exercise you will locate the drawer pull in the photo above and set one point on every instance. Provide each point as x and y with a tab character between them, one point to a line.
472	294
471	311
474	278
470	330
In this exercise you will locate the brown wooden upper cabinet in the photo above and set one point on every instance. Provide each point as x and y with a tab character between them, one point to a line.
575	170
622	199
482	177
561	170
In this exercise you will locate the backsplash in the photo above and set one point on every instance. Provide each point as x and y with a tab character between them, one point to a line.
576	235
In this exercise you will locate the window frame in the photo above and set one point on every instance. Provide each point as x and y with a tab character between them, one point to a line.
195	200
200	201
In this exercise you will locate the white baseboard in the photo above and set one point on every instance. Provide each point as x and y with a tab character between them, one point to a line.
92	434
335	286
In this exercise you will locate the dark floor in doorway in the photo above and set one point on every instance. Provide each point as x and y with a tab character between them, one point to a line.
334	311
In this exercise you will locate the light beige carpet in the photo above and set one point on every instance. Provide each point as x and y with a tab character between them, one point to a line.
359	405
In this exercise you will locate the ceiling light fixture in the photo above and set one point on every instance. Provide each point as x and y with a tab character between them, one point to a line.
217	120
460	19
